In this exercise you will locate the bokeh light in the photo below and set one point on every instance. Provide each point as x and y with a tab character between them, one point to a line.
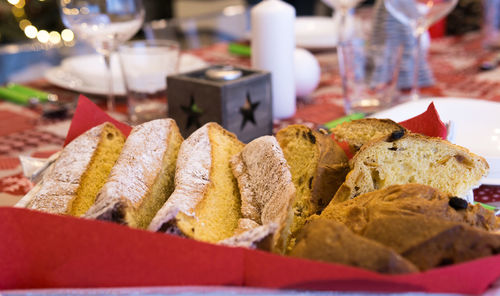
54	37
67	35
43	36
30	31
24	23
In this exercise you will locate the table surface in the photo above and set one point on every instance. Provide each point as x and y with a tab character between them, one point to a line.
454	60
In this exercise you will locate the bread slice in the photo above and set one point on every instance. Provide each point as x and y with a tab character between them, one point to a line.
408	200
330	241
266	188
432	242
455	244
206	202
73	181
358	132
412	158
318	166
143	177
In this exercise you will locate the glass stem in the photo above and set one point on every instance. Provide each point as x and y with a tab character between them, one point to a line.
417	57
110	98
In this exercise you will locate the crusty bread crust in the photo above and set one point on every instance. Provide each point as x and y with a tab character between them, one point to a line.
406	200
61	182
358	132
412	158
331	241
192	178
266	188
136	172
194	182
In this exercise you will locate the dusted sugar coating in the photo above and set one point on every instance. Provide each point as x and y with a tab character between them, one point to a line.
206	202
73	181
266	188
406	200
143	177
318	166
327	240
358	132
412	158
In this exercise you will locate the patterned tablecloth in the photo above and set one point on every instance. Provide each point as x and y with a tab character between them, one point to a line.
455	62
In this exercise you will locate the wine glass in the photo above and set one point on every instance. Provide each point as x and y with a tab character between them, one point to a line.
342	7
104	24
419	15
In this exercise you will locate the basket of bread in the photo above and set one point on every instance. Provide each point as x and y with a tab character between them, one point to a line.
287	211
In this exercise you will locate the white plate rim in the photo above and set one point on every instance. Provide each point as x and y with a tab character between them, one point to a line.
54	74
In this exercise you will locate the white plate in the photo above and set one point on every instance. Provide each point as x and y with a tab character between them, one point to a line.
87	74
316	32
476	126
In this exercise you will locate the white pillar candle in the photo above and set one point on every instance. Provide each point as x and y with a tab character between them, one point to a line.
273	45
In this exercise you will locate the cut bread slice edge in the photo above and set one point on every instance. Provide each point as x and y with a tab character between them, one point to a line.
413	158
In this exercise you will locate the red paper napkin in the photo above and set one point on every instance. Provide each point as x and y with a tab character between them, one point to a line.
39	250
427	123
87	115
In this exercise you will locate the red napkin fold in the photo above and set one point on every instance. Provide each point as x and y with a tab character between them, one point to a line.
39	250
427	123
87	115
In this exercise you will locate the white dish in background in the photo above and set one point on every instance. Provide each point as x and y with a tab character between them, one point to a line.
87	73
476	125
316	32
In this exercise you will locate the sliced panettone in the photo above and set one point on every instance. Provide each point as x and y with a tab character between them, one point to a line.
266	188
205	204
73	181
358	132
408	200
318	166
143	177
330	241
404	157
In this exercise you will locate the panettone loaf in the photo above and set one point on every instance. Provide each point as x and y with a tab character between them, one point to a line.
457	243
408	200
330	241
205	204
358	132
402	158
73	181
143	177
431	242
318	166
266	188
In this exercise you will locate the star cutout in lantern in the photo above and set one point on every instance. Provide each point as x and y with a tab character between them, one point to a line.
193	113
247	111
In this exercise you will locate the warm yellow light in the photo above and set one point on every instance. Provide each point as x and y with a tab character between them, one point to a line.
30	31
67	35
20	4
18	12
13	2
43	36
54	37
24	23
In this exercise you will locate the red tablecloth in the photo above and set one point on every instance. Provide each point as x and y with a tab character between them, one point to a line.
455	62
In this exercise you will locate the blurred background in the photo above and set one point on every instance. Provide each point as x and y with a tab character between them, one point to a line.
31	26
